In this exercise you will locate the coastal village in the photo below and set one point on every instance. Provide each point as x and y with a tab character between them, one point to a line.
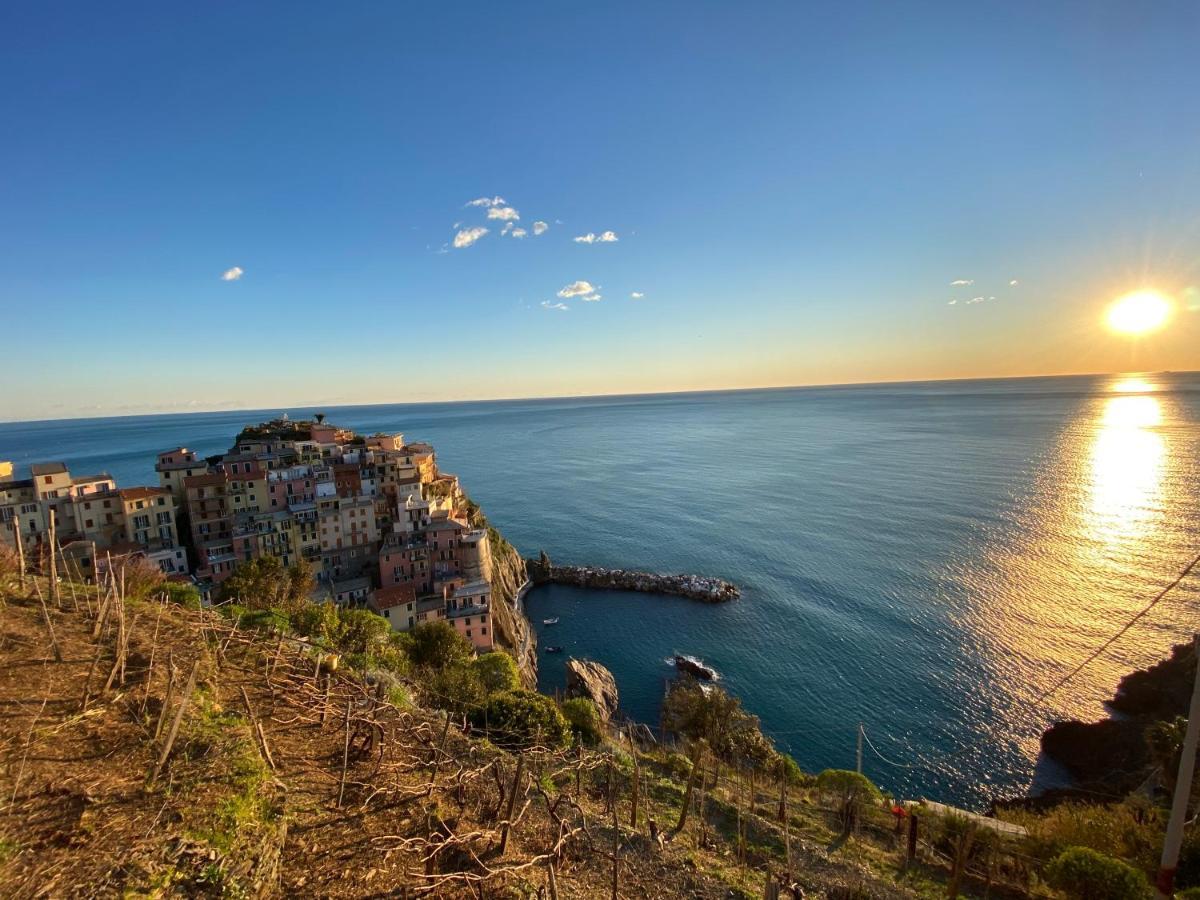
380	524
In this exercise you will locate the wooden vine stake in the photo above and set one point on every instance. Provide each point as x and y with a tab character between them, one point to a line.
345	756
174	732
20	552
512	803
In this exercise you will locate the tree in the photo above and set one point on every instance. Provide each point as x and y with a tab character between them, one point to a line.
497	671
318	621
518	720
265	583
436	645
456	688
849	791
581	714
1084	874
787	774
362	631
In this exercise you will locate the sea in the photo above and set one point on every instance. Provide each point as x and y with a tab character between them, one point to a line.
922	559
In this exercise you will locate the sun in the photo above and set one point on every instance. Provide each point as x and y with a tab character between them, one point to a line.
1139	313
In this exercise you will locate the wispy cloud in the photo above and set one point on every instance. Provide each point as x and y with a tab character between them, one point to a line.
232	274
488	201
551	304
539	227
605	237
467	236
952	303
1013	283
977	300
503	213
637	295
518	232
961	282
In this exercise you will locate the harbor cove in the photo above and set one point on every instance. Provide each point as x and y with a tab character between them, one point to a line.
905	554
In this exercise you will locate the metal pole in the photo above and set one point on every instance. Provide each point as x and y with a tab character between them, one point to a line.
1165	883
859	754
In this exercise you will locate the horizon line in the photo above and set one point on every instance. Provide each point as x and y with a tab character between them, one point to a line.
547	397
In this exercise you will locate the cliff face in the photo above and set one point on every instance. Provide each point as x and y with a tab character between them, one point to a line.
512	627
508	575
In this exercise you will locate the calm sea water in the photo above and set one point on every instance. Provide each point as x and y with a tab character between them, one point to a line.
922	558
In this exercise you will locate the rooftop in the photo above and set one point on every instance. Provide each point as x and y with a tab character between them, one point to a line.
49	468
397	595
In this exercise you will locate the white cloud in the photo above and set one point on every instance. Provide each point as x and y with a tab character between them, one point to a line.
952	302
591	298
605	237
539	227
577	289
548	304
507	228
962	281
503	213
488	201
1013	283
637	295
518	232
468	236
232	274
976	300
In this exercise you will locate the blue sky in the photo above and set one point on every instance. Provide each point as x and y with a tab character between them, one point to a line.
793	188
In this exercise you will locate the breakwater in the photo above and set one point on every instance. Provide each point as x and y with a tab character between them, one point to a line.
694	587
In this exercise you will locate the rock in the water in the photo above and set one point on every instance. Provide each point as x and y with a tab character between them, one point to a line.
589	679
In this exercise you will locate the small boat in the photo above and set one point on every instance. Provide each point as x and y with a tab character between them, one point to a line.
554	649
553	621
695	667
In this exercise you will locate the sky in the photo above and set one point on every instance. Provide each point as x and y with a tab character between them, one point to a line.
225	205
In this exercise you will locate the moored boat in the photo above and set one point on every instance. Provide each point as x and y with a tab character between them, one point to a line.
553	621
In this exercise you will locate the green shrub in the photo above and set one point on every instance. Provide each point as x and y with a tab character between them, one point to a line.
361	631
182	593
232	611
520	719
456	688
497	671
317	621
849	791
1082	873
584	720
266	620
679	766
436	645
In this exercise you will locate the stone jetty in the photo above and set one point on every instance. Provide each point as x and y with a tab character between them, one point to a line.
694	587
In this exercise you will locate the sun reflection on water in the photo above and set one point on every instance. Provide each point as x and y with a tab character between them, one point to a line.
1128	457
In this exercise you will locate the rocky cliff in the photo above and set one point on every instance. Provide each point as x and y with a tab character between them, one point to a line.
508	576
592	681
1113	756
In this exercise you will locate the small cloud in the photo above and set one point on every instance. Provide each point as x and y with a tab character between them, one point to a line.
539	228
637	295
468	236
518	232
591	298
507	228
503	213
550	304
952	302
975	300
232	274
488	201
1013	283
606	237
961	282
577	289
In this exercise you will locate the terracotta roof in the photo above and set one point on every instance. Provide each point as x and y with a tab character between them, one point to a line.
140	493
210	478
397	595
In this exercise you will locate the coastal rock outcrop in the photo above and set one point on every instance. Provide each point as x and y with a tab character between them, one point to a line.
695	587
1113	756
592	681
